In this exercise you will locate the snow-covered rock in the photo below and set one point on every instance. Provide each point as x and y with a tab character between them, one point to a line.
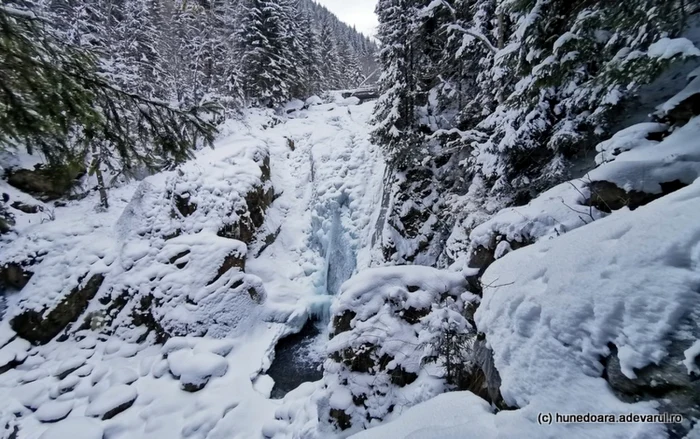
53	411
169	261
557	308
385	328
74	428
195	369
112	401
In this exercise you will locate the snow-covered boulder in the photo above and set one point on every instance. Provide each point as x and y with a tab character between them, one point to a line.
616	300
75	428
385	326
112	401
313	101
195	369
168	262
639	171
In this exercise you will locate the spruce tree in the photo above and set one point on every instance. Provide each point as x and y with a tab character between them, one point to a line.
53	99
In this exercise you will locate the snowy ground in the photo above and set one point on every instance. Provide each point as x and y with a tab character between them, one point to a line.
327	179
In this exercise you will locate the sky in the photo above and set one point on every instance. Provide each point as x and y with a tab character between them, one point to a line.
354	12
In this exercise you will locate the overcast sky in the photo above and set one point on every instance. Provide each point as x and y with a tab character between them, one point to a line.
354	12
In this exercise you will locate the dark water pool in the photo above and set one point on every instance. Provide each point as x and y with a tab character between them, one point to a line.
298	359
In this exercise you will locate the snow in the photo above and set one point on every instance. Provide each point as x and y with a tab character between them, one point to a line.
326	191
53	411
628	139
549	321
690	358
74	428
628	159
667	48
455	415
197	368
111	399
693	88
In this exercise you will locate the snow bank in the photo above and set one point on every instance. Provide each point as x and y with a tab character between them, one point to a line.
556	305
456	415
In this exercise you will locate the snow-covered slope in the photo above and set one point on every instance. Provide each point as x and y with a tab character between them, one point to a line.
554	308
233	250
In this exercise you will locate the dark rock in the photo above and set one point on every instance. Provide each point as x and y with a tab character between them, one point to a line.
342	322
10	365
362	359
482	257
64	373
184	205
175	258
26	208
341	419
142	315
46	182
413	315
39	327
607	196
484	380
668	383
116	410
359	400
399	377
193	387
233	260
255	295
268	240
684	111
14	276
5	197
6	223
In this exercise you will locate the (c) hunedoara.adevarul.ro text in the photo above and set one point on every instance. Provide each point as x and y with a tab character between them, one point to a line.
622	418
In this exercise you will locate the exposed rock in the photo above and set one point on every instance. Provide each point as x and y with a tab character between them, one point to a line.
342	322
184	205
178	256
386	327
40	327
233	260
46	182
26	208
485	380
668	382
607	196
481	257
14	275
113	401
341	419
684	110
142	315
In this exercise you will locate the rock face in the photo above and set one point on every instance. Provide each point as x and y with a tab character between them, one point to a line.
14	275
607	196
40	327
173	265
386	330
674	382
416	221
46	183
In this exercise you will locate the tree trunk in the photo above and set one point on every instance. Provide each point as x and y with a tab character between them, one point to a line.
501	30
104	201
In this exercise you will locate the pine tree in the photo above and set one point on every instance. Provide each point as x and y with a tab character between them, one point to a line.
53	99
331	73
263	42
396	127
